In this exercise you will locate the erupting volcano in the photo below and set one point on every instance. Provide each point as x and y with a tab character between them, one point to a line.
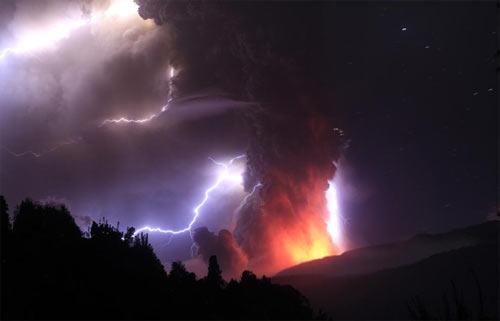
289	220
206	159
291	227
267	72
292	144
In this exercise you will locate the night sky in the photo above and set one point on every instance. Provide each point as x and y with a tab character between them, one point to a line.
417	88
412	86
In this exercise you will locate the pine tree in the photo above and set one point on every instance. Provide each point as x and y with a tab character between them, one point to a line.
214	276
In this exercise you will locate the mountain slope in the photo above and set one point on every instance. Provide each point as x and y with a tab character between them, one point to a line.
364	291
385	294
376	258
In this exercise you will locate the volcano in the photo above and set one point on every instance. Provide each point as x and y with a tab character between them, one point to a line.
443	274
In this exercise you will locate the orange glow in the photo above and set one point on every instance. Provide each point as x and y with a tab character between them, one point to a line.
296	214
292	223
298	247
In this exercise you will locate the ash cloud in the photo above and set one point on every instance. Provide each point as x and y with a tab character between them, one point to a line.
245	49
230	257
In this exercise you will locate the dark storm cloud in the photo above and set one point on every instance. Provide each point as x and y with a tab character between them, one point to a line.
244	48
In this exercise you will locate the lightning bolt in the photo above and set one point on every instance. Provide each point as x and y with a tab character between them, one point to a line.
336	221
33	41
223	176
28	152
40	40
40	154
30	42
245	200
125	120
120	120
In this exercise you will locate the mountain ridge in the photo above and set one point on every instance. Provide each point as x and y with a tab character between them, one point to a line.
465	269
378	257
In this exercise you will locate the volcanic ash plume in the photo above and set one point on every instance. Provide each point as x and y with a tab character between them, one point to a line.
244	49
284	224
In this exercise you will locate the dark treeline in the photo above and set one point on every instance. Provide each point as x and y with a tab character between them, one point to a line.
51	270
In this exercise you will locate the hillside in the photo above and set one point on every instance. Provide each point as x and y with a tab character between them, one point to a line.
384	293
379	257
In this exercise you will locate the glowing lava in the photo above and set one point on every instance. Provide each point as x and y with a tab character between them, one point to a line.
291	224
308	240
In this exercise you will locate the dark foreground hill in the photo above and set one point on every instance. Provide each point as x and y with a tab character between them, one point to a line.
461	282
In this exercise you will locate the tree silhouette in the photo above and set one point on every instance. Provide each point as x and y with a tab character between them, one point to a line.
5	240
45	222
53	271
214	276
180	276
4	212
5	228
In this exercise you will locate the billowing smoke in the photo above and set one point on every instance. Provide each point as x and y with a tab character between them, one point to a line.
270	53
229	254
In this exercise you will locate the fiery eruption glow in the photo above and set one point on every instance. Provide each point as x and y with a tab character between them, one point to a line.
293	226
301	224
310	234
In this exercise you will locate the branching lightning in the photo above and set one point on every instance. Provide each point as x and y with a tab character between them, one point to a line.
225	175
125	120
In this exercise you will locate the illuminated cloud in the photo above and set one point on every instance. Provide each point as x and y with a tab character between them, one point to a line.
77	62
41	38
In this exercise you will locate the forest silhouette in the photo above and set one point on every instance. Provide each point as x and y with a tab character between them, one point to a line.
50	269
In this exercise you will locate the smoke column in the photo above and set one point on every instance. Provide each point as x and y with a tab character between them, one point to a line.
243	48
